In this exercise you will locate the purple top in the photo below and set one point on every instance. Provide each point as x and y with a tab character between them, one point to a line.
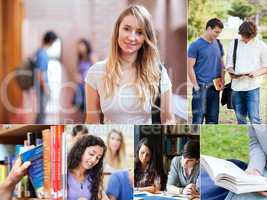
83	67
77	190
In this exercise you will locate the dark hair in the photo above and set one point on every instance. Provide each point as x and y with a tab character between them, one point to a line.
95	173
192	149
152	166
212	23
248	29
79	128
88	47
49	37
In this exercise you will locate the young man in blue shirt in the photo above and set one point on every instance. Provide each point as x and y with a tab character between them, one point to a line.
41	80
205	63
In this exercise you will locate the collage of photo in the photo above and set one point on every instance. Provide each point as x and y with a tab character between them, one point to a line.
133	100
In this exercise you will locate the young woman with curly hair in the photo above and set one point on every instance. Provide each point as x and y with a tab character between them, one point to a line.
85	169
126	86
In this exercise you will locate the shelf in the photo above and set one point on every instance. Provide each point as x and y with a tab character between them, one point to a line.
16	134
181	135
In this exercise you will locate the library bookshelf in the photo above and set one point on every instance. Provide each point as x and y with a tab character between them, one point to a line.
17	134
174	139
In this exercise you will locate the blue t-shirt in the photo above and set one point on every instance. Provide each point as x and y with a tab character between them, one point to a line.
77	190
208	59
42	60
119	186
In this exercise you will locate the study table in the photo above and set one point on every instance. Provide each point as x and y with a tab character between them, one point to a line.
159	196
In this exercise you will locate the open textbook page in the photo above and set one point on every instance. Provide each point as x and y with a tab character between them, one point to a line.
227	175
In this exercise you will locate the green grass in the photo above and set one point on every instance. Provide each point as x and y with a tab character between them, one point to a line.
225	141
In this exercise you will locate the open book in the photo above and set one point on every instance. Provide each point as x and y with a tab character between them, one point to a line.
236	75
227	175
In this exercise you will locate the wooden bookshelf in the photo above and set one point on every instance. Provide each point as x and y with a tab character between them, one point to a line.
16	133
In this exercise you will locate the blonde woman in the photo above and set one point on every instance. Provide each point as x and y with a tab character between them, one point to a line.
115	157
126	85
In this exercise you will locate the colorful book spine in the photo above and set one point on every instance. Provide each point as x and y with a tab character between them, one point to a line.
57	132
3	173
47	162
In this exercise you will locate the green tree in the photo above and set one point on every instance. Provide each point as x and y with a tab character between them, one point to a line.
242	9
201	11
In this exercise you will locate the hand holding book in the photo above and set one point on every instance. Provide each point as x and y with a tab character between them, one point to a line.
227	175
17	172
257	173
234	75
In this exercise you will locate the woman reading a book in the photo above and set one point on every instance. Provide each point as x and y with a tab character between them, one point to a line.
115	156
85	169
126	86
257	162
146	172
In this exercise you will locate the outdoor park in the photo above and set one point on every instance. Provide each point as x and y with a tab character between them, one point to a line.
232	13
225	141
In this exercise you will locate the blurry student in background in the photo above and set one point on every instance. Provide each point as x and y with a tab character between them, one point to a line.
115	156
86	58
126	85
77	133
85	169
184	170
41	79
120	185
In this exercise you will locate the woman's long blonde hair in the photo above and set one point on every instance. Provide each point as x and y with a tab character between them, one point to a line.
121	151
147	61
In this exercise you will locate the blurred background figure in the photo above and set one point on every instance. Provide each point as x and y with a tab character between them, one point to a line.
86	58
41	72
116	155
77	133
120	185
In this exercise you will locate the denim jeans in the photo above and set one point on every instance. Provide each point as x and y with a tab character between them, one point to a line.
42	102
246	104
205	105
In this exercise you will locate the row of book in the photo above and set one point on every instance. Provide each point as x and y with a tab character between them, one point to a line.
45	173
174	145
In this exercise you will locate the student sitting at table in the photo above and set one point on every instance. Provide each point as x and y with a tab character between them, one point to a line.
184	170
147	175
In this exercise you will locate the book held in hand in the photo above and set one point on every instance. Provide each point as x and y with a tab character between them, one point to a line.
217	82
229	176
35	171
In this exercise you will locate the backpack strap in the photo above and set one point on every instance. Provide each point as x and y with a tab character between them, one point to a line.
220	46
155	109
234	53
